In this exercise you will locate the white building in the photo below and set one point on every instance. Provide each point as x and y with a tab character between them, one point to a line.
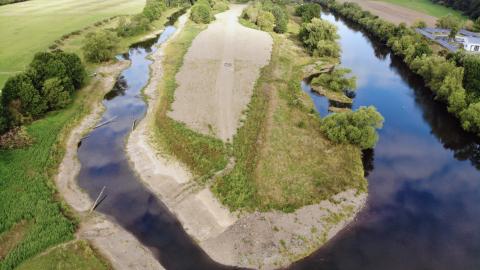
470	44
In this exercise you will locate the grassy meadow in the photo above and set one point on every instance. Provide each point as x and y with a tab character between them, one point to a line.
427	7
32	26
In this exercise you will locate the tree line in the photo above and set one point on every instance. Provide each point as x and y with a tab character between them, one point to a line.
454	78
48	84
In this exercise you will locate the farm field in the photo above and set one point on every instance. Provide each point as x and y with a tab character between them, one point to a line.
32	26
427	7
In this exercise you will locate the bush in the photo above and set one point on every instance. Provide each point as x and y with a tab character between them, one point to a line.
308	11
220	6
100	46
265	20
471	118
327	48
335	80
354	127
471	79
251	13
315	31
281	18
201	13
153	9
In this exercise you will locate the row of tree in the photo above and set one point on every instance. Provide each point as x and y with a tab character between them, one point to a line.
48	84
445	76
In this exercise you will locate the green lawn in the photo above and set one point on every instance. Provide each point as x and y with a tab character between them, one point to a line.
32	26
427	7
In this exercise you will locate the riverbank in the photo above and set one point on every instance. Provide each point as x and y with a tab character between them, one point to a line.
264	240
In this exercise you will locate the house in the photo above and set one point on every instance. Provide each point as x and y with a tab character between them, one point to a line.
470	44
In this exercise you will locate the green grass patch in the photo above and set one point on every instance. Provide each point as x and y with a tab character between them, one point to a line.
203	154
282	159
76	255
27	192
428	7
32	26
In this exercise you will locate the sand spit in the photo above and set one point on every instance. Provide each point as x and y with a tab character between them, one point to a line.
111	240
257	240
394	13
219	71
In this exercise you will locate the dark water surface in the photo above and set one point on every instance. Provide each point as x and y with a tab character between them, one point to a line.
423	208
104	163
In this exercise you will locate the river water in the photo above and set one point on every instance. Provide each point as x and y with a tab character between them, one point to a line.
423	208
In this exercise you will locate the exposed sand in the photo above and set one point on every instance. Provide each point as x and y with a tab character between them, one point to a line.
258	240
120	247
219	71
394	13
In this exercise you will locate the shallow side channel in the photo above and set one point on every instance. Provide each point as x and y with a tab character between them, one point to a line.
104	163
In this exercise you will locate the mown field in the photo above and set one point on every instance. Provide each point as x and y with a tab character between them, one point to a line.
32	26
427	7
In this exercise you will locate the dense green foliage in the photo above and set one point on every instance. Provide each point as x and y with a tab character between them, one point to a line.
308	11
469	7
320	38
141	22
47	85
267	16
450	22
100	46
336	80
201	12
444	77
354	127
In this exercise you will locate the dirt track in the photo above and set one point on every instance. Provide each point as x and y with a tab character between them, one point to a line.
394	13
219	71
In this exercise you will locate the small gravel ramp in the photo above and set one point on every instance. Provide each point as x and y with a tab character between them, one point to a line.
218	74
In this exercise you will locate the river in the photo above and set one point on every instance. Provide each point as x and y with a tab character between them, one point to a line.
423	209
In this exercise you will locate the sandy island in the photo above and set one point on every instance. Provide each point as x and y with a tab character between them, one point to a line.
257	240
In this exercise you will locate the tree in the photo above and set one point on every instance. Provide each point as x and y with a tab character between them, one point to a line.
476	25
419	24
471	79
308	11
55	96
353	127
153	9
450	22
201	13
100	46
21	99
75	69
265	20
281	18
471	118
311	33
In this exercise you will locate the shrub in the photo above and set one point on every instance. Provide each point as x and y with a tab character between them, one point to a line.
335	80
313	32
153	9
201	13
251	13
471	118
353	127
327	48
471	80
220	6
265	20
308	11
281	18
100	46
